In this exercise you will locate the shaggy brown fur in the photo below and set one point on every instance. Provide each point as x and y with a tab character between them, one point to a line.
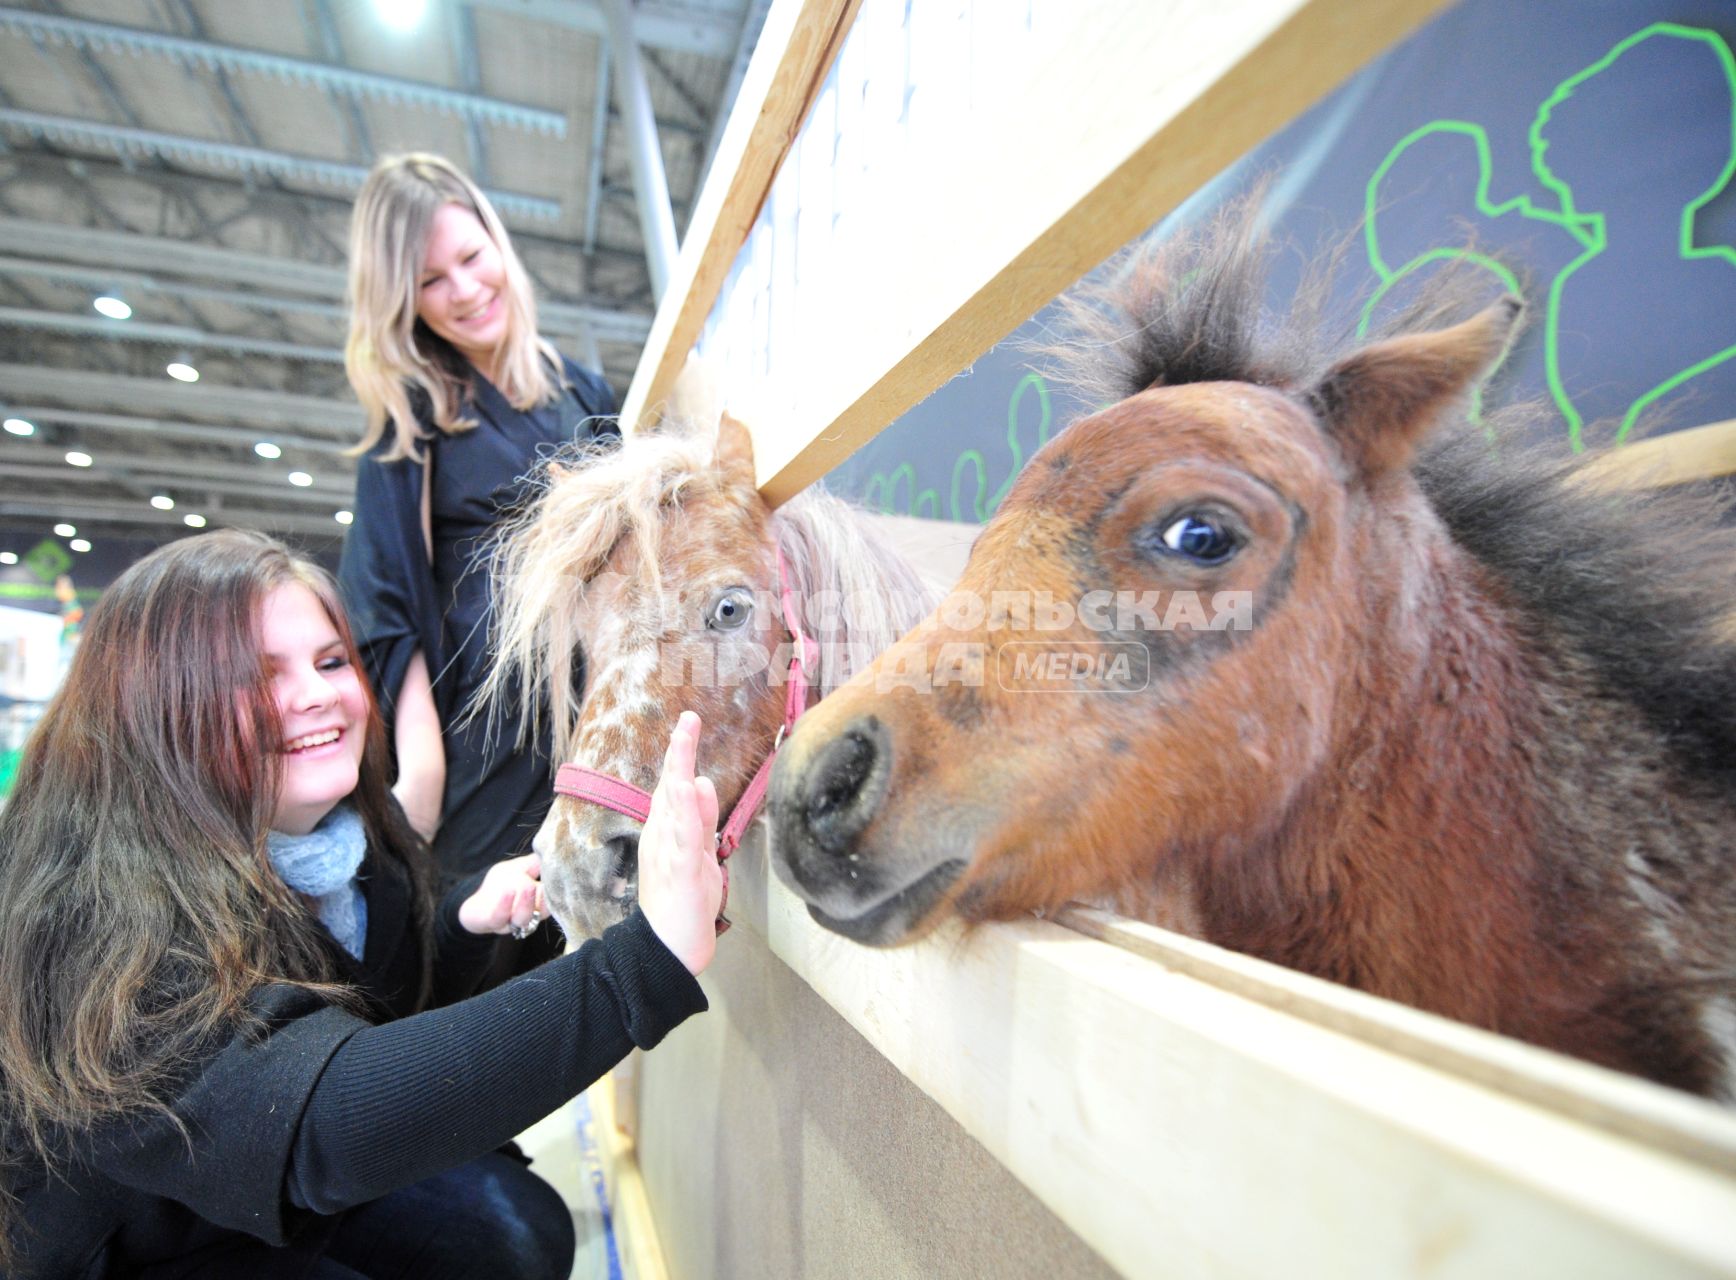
1474	750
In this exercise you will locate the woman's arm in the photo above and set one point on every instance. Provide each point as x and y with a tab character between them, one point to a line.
405	1100
401	1101
421	784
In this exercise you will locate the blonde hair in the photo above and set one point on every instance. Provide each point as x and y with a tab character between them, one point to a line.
390	353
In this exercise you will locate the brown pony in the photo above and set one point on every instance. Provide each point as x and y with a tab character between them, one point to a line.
658	562
1247	653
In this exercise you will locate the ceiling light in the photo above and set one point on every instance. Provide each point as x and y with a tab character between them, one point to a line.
112	307
400	15
78	459
79	544
182	372
163	502
344	517
19	427
266	449
64	531
193	520
300	479
8	557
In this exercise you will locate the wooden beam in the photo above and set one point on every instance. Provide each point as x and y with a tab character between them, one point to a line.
990	227
1697	453
795	51
630	1213
1182	1129
1662	1119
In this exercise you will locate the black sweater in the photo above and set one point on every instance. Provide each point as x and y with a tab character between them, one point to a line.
324	1110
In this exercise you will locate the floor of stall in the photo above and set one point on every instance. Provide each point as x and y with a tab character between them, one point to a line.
562	1148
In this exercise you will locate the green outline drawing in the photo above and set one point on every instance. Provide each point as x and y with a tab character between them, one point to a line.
1587	228
896	491
883	489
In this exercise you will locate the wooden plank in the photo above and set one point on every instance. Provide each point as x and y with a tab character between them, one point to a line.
1181	1129
796	49
634	1224
1697	453
958	244
1662	1119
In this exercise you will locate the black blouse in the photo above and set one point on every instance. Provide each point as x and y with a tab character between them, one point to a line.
496	795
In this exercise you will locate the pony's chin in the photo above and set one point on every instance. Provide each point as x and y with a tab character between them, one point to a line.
900	918
588	915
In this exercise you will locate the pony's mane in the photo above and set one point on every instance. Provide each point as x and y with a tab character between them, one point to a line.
594	500
862	593
1637	584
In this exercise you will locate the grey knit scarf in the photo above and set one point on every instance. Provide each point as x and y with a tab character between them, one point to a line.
322	864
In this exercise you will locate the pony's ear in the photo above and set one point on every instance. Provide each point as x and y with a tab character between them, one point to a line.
1380	401
735	451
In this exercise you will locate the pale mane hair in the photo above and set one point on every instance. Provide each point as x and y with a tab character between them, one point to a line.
391	355
594	501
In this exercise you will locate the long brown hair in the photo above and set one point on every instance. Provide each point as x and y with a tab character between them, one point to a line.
138	908
391	355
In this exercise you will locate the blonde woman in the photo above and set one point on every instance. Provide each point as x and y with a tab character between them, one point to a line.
461	397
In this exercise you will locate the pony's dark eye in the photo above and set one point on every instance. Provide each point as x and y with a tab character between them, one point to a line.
730	611
1201	538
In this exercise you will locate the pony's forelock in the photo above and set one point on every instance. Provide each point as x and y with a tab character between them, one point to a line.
1194	306
593	500
836	557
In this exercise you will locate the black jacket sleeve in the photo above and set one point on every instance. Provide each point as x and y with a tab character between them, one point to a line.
402	1101
461	958
223	1147
384	578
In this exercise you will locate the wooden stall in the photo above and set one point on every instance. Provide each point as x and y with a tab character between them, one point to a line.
1080	1095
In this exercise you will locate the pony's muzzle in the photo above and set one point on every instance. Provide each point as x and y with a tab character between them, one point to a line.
833	800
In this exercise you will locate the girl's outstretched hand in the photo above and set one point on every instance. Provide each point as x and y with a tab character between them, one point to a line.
509	899
680	882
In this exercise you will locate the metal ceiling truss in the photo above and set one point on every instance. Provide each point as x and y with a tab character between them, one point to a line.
263	411
150	436
234	437
125	141
117	512
277	203
658	25
173	335
144	479
98	280
103	37
94	248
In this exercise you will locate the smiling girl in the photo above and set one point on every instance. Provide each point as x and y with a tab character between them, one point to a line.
461	398
234	1039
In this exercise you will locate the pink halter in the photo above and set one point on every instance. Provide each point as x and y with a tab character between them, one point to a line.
581	783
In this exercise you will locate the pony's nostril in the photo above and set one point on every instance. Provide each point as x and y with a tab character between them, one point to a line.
840	798
623	853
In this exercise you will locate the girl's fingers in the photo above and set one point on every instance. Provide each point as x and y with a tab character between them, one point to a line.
707	795
683	743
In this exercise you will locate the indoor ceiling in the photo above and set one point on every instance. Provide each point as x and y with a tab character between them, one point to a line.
197	159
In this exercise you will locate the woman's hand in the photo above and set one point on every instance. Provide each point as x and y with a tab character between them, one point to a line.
509	899
680	882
